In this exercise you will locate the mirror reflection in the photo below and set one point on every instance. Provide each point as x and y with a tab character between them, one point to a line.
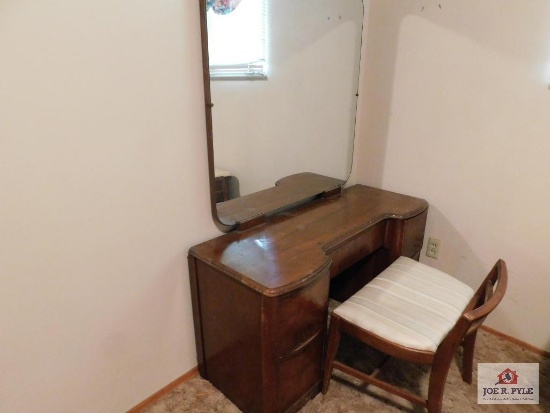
294	108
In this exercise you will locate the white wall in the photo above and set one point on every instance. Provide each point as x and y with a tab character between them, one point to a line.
104	187
455	110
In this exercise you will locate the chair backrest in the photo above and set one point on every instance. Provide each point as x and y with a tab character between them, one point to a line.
487	297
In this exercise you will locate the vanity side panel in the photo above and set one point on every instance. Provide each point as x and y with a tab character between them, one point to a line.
230	316
197	322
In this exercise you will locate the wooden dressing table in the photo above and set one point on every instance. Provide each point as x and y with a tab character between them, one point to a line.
260	296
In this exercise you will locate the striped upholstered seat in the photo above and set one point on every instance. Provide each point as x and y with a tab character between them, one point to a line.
410	304
419	314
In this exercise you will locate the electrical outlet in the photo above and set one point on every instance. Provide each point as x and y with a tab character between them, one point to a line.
432	250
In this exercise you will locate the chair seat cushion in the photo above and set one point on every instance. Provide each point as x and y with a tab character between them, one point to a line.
410	304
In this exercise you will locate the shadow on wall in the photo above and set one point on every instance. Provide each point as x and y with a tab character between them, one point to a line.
388	21
456	257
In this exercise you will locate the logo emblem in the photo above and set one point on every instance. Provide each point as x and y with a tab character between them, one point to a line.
507	377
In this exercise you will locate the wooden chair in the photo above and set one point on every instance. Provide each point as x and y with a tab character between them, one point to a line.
416	313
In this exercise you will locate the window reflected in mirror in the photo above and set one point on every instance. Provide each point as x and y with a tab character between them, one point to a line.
237	39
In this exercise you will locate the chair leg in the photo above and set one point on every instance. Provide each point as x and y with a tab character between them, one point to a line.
438	378
435	397
468	357
332	349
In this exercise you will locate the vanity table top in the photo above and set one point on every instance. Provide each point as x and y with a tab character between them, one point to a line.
291	248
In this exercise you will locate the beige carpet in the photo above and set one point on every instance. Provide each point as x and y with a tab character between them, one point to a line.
351	396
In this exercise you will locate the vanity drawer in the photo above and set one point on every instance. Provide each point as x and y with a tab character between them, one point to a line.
301	315
299	375
353	251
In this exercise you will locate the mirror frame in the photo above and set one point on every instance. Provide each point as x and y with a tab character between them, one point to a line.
251	210
208	115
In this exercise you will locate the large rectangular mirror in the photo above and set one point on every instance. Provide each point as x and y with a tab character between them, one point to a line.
287	113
